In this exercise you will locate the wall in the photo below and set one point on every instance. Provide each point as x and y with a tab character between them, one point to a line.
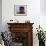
43	6
33	14
43	14
0	15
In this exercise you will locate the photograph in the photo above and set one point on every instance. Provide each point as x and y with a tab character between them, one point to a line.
20	10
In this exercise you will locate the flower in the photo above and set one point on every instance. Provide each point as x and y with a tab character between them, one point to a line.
40	33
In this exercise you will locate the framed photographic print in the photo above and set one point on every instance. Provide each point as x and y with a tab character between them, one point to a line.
20	10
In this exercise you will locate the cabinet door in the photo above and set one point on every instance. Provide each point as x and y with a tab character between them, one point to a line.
21	37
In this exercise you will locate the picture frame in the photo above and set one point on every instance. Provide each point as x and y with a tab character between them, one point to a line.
20	10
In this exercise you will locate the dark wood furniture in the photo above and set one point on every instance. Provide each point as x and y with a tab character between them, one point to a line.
22	33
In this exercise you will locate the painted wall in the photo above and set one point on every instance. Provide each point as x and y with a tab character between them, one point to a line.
43	6
33	14
43	14
0	15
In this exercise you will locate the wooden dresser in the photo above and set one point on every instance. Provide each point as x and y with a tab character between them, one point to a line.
22	33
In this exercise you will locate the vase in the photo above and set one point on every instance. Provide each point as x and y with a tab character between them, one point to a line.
41	43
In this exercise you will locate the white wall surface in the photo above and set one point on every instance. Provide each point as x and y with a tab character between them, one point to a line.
0	15
43	14
43	6
33	14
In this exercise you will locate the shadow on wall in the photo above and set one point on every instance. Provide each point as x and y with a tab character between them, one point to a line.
43	6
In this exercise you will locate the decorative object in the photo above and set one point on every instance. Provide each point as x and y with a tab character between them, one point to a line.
13	21
41	36
27	21
20	10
